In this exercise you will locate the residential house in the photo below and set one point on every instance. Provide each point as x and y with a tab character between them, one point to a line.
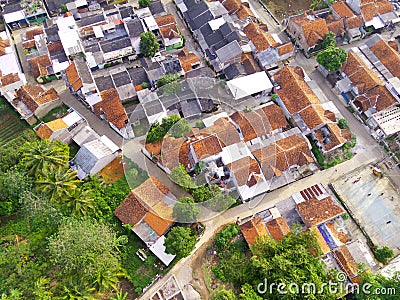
352	23
135	27
285	160
375	13
156	8
62	129
79	80
347	263
116	48
93	156
28	39
385	123
249	85
238	8
307	30
303	107
188	60
11	76
110	109
68	32
41	67
196	13
153	107
123	84
19	14
253	229
169	32
86	25
365	87
34	101
139	78
148	209
268	49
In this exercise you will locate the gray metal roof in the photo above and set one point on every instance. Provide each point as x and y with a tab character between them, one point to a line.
172	66
134	27
229	52
104	82
190	108
138	75
115	44
94	19
156	7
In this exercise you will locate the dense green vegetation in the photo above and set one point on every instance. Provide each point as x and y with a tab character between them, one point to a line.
185	210
332	58
173	125
58	235
287	261
149	45
210	195
180	241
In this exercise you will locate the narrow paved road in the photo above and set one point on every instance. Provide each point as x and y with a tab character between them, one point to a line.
98	125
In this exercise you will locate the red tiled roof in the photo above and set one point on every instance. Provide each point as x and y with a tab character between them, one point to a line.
4	44
167	26
285	49
73	77
314	212
157	223
275	115
39	65
253	229
243	169
354	22
188	59
346	262
28	44
378	97
44	131
244	12
295	93
225	130
314	29
342	9
206	147
261	39
338	136
335	25
131	210
112	108
9	79
249	63
389	57
278	228
55	47
30	34
34	96
369	11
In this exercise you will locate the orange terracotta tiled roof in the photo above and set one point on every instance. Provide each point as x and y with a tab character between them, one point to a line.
28	44
167	25
275	115
354	22
278	157
151	191
243	169
330	115
253	229
394	45
4	44
252	124
232	6
170	150
359	74
285	49
34	96
131	210
244	12
188	59
384	6
295	93
225	130
261	39
30	34
338	136
346	262
206	147
313	29
44	131
335	25
112	108
55	47
157	223
378	97
9	79
39	65
320	240
278	228
369	11
73	77
314	212
389	57
249	63
313	116
342	9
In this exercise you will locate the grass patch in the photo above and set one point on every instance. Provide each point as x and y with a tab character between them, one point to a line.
55	113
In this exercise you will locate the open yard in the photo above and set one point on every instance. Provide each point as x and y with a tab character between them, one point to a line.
282	9
12	128
374	204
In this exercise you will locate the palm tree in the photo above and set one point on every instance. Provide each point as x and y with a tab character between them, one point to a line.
79	202
57	182
78	292
39	156
120	296
106	280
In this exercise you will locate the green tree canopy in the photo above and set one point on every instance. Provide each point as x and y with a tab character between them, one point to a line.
383	254
180	128
169	84
182	178
158	131
144	3
86	251
185	210
167	78
223	294
248	293
180	241
149	45
40	155
332	59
